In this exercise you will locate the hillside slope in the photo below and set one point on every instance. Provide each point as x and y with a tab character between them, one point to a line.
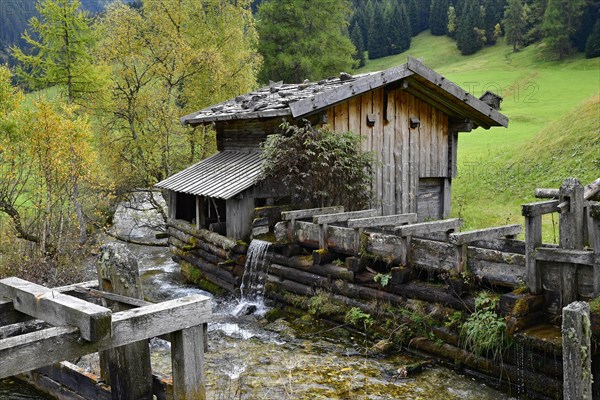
553	131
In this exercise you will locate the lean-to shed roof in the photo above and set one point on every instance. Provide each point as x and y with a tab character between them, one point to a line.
222	175
301	100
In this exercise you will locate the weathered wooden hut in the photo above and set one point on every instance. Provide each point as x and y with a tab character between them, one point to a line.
409	116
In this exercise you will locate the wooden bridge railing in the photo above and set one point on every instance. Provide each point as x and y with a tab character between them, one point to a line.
40	327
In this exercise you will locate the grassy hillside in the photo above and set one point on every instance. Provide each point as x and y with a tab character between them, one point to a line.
553	133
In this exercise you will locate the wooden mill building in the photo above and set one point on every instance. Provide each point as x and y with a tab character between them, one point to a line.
409	116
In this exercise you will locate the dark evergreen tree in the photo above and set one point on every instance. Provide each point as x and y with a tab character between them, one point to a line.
424	9
588	20
494	11
438	17
414	16
592	48
363	16
469	33
359	42
561	21
378	36
398	27
535	10
515	23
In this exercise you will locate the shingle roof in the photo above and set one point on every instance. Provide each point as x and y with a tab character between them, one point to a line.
222	175
299	100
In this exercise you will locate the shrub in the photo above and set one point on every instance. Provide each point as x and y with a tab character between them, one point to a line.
319	167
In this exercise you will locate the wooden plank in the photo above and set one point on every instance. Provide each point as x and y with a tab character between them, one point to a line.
354	115
485	234
55	308
539	208
405	133
565	256
386	220
37	349
425	138
414	162
341	117
389	174
310	212
344	216
434	153
429	227
187	355
359	86
378	147
397	151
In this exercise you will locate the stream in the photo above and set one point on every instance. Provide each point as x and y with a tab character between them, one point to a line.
286	357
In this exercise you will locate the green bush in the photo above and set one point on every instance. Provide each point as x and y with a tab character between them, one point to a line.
319	167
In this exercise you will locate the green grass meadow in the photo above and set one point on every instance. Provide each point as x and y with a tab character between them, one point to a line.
553	133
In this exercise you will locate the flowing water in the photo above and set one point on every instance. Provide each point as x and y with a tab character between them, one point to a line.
250	357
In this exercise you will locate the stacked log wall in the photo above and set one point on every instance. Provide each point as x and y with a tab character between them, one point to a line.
205	254
294	270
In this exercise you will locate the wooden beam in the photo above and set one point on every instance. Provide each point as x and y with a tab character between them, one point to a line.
386	220
344	216
21	328
424	228
37	349
55	308
565	256
539	208
485	234
125	300
310	212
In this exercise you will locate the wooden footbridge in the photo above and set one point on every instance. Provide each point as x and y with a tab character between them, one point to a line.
40	327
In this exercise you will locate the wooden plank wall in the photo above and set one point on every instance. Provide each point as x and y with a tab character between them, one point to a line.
404	156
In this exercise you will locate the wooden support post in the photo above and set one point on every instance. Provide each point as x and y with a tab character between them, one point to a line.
577	347
127	368
461	258
594	213
533	239
323	236
571	219
187	357
570	235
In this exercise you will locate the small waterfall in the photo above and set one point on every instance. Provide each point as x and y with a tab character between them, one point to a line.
256	269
